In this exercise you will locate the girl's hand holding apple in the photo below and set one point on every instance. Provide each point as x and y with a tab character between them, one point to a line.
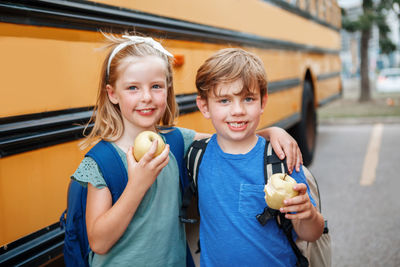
144	170
143	143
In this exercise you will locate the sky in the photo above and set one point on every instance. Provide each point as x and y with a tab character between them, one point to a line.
348	3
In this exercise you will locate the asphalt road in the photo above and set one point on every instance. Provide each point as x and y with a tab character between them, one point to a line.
364	220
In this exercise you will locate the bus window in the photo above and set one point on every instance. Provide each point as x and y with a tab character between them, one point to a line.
322	10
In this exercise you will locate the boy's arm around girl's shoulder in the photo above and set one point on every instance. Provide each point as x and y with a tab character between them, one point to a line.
106	223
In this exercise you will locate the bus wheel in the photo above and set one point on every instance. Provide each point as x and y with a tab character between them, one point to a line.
305	131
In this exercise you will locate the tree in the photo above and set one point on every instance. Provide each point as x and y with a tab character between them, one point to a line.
373	14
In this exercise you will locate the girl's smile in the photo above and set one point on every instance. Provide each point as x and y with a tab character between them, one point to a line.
146	112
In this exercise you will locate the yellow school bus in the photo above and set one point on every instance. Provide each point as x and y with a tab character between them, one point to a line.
49	71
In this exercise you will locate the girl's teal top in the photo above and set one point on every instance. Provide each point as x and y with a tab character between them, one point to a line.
155	236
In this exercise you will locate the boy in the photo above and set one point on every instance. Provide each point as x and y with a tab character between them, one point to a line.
232	88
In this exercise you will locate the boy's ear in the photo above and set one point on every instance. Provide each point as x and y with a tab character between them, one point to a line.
203	106
264	102
111	94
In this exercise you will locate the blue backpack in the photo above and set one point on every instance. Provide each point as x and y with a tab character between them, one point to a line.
76	245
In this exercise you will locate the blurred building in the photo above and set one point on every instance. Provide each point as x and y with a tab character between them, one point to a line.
393	59
350	52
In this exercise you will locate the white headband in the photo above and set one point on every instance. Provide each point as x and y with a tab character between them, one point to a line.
136	40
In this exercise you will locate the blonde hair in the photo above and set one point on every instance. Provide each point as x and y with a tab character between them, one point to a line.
107	118
229	65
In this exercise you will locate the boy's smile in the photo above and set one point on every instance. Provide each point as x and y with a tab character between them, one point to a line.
235	114
237	126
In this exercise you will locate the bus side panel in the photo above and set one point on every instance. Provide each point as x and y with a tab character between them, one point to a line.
44	71
328	81
261	18
33	189
194	54
328	88
281	106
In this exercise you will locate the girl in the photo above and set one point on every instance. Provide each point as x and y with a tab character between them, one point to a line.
135	94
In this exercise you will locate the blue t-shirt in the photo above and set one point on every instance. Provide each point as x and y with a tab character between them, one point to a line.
230	188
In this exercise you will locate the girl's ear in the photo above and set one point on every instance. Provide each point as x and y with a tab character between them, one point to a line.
111	94
264	102
203	106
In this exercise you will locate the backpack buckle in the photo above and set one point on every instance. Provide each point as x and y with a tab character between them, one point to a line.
267	214
326	230
186	220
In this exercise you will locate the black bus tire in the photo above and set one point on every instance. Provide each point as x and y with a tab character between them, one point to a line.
305	131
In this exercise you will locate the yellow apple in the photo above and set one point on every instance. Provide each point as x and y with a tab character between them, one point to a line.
143	143
279	188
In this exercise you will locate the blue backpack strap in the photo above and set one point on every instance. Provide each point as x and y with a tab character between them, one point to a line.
111	167
175	140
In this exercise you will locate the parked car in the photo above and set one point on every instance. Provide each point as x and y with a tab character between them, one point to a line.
388	80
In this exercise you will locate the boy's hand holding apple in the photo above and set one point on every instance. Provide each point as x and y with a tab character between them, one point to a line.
283	193
279	188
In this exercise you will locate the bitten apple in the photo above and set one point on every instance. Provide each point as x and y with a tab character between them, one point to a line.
279	188
143	143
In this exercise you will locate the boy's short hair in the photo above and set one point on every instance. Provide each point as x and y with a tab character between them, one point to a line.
229	65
